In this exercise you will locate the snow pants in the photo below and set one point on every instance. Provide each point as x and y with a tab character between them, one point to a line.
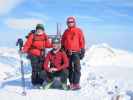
74	68
63	75
37	68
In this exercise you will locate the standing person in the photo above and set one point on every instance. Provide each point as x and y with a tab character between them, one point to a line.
55	66
35	47
74	45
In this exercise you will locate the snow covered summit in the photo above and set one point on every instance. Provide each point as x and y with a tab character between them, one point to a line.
103	69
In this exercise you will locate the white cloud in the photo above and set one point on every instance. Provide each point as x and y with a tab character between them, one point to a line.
116	14
38	15
21	24
8	5
120	3
110	11
88	18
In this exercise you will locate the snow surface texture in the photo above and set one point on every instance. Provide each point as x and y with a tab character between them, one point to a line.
106	75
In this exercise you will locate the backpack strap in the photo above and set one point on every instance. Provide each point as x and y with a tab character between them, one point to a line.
34	39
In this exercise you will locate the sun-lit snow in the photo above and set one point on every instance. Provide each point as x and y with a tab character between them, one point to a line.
106	75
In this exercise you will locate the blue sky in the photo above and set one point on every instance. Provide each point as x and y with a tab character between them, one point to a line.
103	21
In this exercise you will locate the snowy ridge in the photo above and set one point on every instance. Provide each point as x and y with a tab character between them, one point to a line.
103	54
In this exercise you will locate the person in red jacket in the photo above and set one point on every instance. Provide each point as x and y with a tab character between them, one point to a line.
35	47
73	43
56	64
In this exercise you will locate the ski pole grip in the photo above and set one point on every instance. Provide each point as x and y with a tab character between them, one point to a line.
19	43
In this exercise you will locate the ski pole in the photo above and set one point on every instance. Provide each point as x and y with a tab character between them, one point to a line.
20	44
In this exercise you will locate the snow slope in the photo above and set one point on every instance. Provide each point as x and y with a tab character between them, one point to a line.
10	63
106	74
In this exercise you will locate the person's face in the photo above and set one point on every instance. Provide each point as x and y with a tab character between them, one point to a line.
56	46
70	24
39	31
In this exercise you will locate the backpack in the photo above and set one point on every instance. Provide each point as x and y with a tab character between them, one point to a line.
31	32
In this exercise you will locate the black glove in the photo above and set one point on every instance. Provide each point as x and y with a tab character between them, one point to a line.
62	48
69	53
82	53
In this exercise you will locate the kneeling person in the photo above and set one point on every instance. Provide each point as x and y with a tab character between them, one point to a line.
55	66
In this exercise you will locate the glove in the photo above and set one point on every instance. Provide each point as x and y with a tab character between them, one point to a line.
43	51
21	52
53	70
82	53
62	48
69	53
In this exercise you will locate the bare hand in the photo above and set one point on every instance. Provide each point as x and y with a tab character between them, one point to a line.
53	70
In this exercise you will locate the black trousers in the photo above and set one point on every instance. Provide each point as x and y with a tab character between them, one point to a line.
74	68
46	76
37	67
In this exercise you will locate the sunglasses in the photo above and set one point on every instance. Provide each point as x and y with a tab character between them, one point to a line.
71	22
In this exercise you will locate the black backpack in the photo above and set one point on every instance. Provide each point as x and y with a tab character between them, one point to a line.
31	32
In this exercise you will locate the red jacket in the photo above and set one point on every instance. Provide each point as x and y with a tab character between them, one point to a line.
35	43
57	60
73	39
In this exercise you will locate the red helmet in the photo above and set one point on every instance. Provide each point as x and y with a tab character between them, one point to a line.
71	19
